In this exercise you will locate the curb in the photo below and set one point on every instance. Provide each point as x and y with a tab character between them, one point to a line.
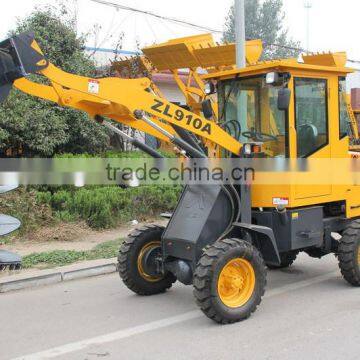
79	271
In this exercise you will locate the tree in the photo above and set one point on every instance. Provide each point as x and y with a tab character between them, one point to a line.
265	21
33	127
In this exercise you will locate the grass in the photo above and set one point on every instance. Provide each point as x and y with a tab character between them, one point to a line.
106	250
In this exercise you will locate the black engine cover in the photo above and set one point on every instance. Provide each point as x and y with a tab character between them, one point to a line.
203	214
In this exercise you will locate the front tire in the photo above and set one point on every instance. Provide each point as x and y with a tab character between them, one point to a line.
349	253
143	244
229	280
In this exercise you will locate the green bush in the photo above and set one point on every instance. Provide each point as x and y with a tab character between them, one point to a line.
112	154
33	127
106	207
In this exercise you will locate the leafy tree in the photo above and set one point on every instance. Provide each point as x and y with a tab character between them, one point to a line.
33	127
265	21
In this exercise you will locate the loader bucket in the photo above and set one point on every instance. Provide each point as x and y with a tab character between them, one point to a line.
8	224
7	188
9	260
19	56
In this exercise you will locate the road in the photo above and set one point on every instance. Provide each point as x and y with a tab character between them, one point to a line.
308	312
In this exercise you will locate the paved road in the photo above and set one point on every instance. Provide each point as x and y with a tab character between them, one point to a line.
308	312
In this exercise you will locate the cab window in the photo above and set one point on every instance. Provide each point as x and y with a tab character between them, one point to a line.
248	108
311	115
343	112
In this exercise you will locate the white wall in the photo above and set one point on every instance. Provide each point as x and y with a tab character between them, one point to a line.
171	92
353	81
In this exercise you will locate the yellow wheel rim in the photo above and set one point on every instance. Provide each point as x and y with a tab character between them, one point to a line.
236	283
150	246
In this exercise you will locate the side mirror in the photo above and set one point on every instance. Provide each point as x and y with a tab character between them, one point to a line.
284	96
207	109
210	88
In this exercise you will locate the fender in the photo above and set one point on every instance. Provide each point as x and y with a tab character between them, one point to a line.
266	239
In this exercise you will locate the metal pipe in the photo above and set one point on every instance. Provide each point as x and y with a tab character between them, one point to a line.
194	153
137	143
308	7
240	33
187	136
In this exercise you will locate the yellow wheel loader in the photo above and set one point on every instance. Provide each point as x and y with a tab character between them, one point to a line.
221	238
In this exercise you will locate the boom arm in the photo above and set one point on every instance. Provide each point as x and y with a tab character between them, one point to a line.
70	98
118	99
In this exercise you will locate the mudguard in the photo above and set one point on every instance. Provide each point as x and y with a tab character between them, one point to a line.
266	239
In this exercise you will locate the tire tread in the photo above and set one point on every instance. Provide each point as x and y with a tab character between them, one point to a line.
125	267
204	274
347	253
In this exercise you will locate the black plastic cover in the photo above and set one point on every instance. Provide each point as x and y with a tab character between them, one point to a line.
17	59
203	214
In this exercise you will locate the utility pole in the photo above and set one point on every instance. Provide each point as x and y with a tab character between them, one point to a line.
308	7
76	15
240	33
241	62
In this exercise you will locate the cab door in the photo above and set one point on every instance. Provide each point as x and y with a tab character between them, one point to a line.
312	129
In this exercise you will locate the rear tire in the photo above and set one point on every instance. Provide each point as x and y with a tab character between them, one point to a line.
229	280
129	262
287	259
349	253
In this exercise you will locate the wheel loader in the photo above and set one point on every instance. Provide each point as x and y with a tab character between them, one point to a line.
222	238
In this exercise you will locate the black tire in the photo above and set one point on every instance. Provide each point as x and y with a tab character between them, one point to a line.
215	257
128	262
287	259
349	253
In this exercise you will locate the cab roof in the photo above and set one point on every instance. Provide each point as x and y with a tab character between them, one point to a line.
317	63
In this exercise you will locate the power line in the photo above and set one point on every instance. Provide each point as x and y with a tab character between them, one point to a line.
149	13
193	25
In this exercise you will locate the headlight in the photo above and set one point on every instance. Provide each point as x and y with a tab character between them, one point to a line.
272	78
247	149
210	88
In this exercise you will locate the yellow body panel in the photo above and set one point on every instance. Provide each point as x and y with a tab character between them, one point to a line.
331	59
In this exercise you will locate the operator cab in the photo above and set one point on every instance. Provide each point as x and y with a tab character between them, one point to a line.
285	105
249	111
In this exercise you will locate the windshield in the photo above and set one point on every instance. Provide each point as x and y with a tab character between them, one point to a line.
248	111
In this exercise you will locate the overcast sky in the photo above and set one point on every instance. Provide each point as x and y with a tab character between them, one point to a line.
333	24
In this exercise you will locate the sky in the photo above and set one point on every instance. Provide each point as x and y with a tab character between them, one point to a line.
333	27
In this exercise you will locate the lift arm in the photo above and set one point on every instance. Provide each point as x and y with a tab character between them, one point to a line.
71	98
118	99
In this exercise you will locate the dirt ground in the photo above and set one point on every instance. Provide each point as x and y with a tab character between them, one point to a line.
72	237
